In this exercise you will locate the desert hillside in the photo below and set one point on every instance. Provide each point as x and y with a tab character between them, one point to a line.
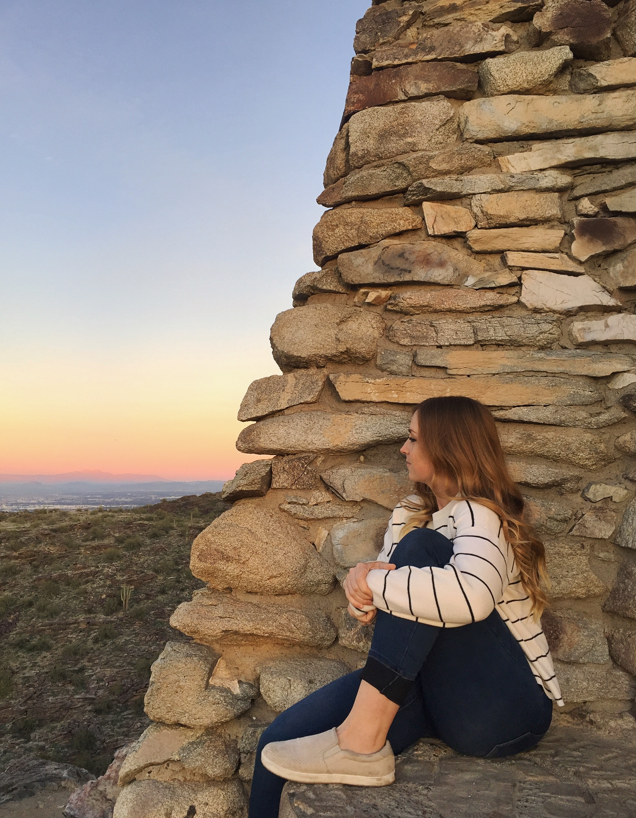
75	659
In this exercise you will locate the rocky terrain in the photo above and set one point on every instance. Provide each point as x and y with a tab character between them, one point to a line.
76	658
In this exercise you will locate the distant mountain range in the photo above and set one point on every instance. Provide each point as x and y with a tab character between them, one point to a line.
86	476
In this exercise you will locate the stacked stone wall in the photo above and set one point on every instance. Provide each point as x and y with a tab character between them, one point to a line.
480	240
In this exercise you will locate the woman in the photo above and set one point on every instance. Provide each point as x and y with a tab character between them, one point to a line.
458	652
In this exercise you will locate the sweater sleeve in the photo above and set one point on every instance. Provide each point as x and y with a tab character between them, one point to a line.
464	590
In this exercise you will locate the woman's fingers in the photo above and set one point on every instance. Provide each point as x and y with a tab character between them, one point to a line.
355	585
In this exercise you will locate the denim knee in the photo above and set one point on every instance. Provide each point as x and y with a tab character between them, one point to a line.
422	547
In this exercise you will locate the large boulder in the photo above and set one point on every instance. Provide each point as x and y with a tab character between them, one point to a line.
319	333
221	618
359	482
268	395
385	132
323	432
181	692
283	682
260	551
158	799
347	227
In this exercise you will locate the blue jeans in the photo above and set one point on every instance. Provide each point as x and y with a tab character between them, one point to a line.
471	686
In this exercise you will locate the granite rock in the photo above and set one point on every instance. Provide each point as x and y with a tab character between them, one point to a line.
220	618
548	517
283	682
597	523
514	238
574	639
374	483
543	477
349	227
323	432
386	132
353	634
502	390
251	480
622	648
525	71
514	116
446	220
268	395
356	542
562	152
624	202
626	534
394	361
443	12
562	416
617	327
622	597
447	299
518	330
542	290
181	692
557	362
584	683
407	82
593	183
585	25
430	262
257	550
604	76
295	472
627	443
498	278
626	29
174	753
522	207
595	492
338	160
373	182
320	510
556	262
156	799
456	187
569	569
457	41
318	333
584	449
593	237
319	281
380	25
96	799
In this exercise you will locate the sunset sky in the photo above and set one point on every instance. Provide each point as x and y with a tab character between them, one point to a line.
159	164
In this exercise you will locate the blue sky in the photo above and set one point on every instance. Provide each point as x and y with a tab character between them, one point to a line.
159	164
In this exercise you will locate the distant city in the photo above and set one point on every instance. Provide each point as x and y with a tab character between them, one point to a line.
29	492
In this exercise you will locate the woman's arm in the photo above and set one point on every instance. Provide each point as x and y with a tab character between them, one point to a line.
463	591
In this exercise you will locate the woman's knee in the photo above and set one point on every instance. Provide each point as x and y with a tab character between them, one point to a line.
422	547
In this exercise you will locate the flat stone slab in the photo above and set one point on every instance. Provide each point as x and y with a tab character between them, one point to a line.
573	773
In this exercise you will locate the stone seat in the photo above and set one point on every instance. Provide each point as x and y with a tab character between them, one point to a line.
575	772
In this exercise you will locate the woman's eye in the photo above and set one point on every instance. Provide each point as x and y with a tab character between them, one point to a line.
412	439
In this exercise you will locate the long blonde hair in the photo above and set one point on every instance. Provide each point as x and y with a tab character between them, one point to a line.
460	437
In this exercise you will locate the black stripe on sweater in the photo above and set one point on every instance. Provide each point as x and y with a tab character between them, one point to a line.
467	573
439	610
408	590
472	513
472	615
478	557
479	537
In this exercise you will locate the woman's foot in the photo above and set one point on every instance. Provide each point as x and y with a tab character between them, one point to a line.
319	759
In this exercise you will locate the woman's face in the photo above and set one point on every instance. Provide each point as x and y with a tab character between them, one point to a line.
417	462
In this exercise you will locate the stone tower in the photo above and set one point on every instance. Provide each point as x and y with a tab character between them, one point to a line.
480	240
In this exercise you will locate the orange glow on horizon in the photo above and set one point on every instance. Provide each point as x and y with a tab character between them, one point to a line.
161	416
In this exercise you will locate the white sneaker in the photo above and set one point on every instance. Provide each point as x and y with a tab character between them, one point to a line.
320	760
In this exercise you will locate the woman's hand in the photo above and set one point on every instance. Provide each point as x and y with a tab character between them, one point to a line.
363	617
355	585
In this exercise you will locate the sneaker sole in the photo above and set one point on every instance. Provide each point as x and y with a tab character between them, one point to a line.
328	778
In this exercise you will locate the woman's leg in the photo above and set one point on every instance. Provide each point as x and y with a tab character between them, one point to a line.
479	693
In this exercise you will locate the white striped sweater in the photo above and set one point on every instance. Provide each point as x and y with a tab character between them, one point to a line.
482	575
